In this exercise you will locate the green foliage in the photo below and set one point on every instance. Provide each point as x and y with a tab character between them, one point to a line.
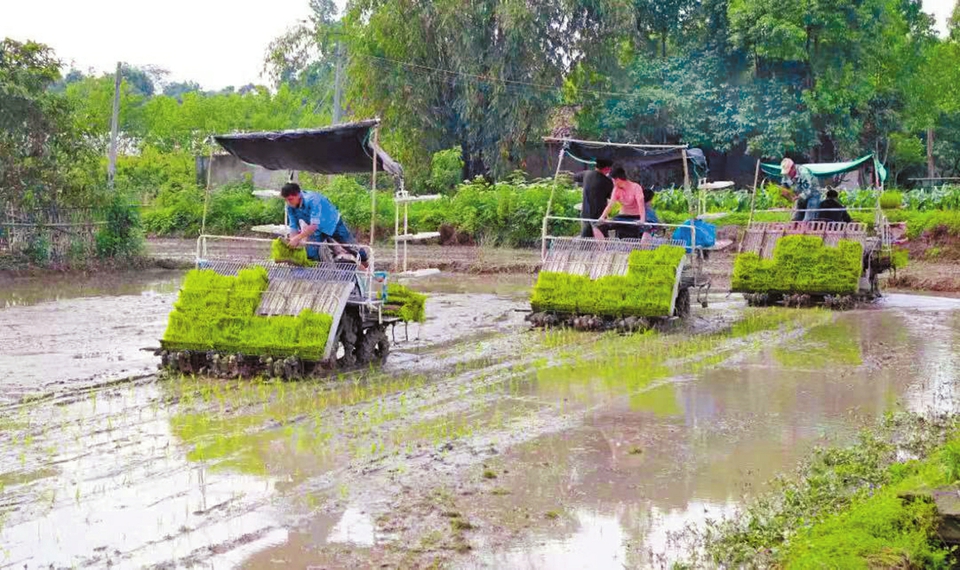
446	170
394	43
801	264
178	210
843	507
280	252
646	291
120	238
405	303
218	312
44	156
891	200
900	258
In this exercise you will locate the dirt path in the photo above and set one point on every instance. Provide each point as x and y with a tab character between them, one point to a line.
480	445
458	259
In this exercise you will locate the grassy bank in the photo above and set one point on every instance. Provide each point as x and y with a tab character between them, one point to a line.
855	507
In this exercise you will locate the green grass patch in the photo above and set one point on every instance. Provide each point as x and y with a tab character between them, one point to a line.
217	312
850	507
280	252
801	264
645	291
405	303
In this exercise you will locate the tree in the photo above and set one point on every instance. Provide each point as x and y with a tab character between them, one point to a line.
178	89
43	157
953	23
483	76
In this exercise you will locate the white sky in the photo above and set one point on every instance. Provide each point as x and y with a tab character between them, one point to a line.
186	37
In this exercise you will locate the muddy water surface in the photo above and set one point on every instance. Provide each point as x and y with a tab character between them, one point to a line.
480	445
69	332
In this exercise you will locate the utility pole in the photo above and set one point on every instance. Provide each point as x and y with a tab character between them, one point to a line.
931	165
338	86
114	127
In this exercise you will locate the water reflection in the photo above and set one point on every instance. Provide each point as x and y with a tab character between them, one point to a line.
687	446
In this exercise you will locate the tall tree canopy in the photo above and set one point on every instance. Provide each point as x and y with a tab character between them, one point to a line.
483	76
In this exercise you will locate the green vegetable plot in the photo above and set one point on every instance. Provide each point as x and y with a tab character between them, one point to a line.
216	312
405	304
280	252
645	291
801	264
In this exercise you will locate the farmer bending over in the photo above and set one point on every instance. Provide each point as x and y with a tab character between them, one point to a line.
632	206
313	218
803	187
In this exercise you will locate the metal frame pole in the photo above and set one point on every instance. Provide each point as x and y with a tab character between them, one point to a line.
753	201
206	196
396	226
546	216
373	192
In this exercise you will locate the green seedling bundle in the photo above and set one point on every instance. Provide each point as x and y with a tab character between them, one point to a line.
217	312
405	304
280	252
801	264
645	291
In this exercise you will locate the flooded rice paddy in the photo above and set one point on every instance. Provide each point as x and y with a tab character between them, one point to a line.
481	444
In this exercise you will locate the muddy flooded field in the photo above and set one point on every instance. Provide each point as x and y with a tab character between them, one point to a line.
481	444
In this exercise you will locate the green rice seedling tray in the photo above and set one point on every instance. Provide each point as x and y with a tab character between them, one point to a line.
649	289
801	264
280	252
217	312
405	304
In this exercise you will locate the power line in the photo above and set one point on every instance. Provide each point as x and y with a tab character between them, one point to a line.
489	79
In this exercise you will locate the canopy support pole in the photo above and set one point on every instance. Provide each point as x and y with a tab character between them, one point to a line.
543	231
373	191
753	201
396	229
686	183
206	196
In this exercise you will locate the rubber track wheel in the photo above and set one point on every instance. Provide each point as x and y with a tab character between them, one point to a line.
682	308
374	347
349	328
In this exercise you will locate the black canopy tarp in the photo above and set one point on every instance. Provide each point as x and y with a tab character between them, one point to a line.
340	149
630	157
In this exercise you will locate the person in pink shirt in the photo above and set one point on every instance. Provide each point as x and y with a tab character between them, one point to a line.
629	195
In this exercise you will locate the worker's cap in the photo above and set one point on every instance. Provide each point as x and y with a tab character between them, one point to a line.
786	166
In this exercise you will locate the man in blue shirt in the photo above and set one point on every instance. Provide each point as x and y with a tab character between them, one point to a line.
313	218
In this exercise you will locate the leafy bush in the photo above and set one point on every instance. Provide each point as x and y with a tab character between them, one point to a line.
645	291
405	304
216	312
900	258
178	210
146	175
891	200
801	264
446	170
120	238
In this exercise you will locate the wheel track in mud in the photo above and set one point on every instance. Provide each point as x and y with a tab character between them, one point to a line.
473	385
